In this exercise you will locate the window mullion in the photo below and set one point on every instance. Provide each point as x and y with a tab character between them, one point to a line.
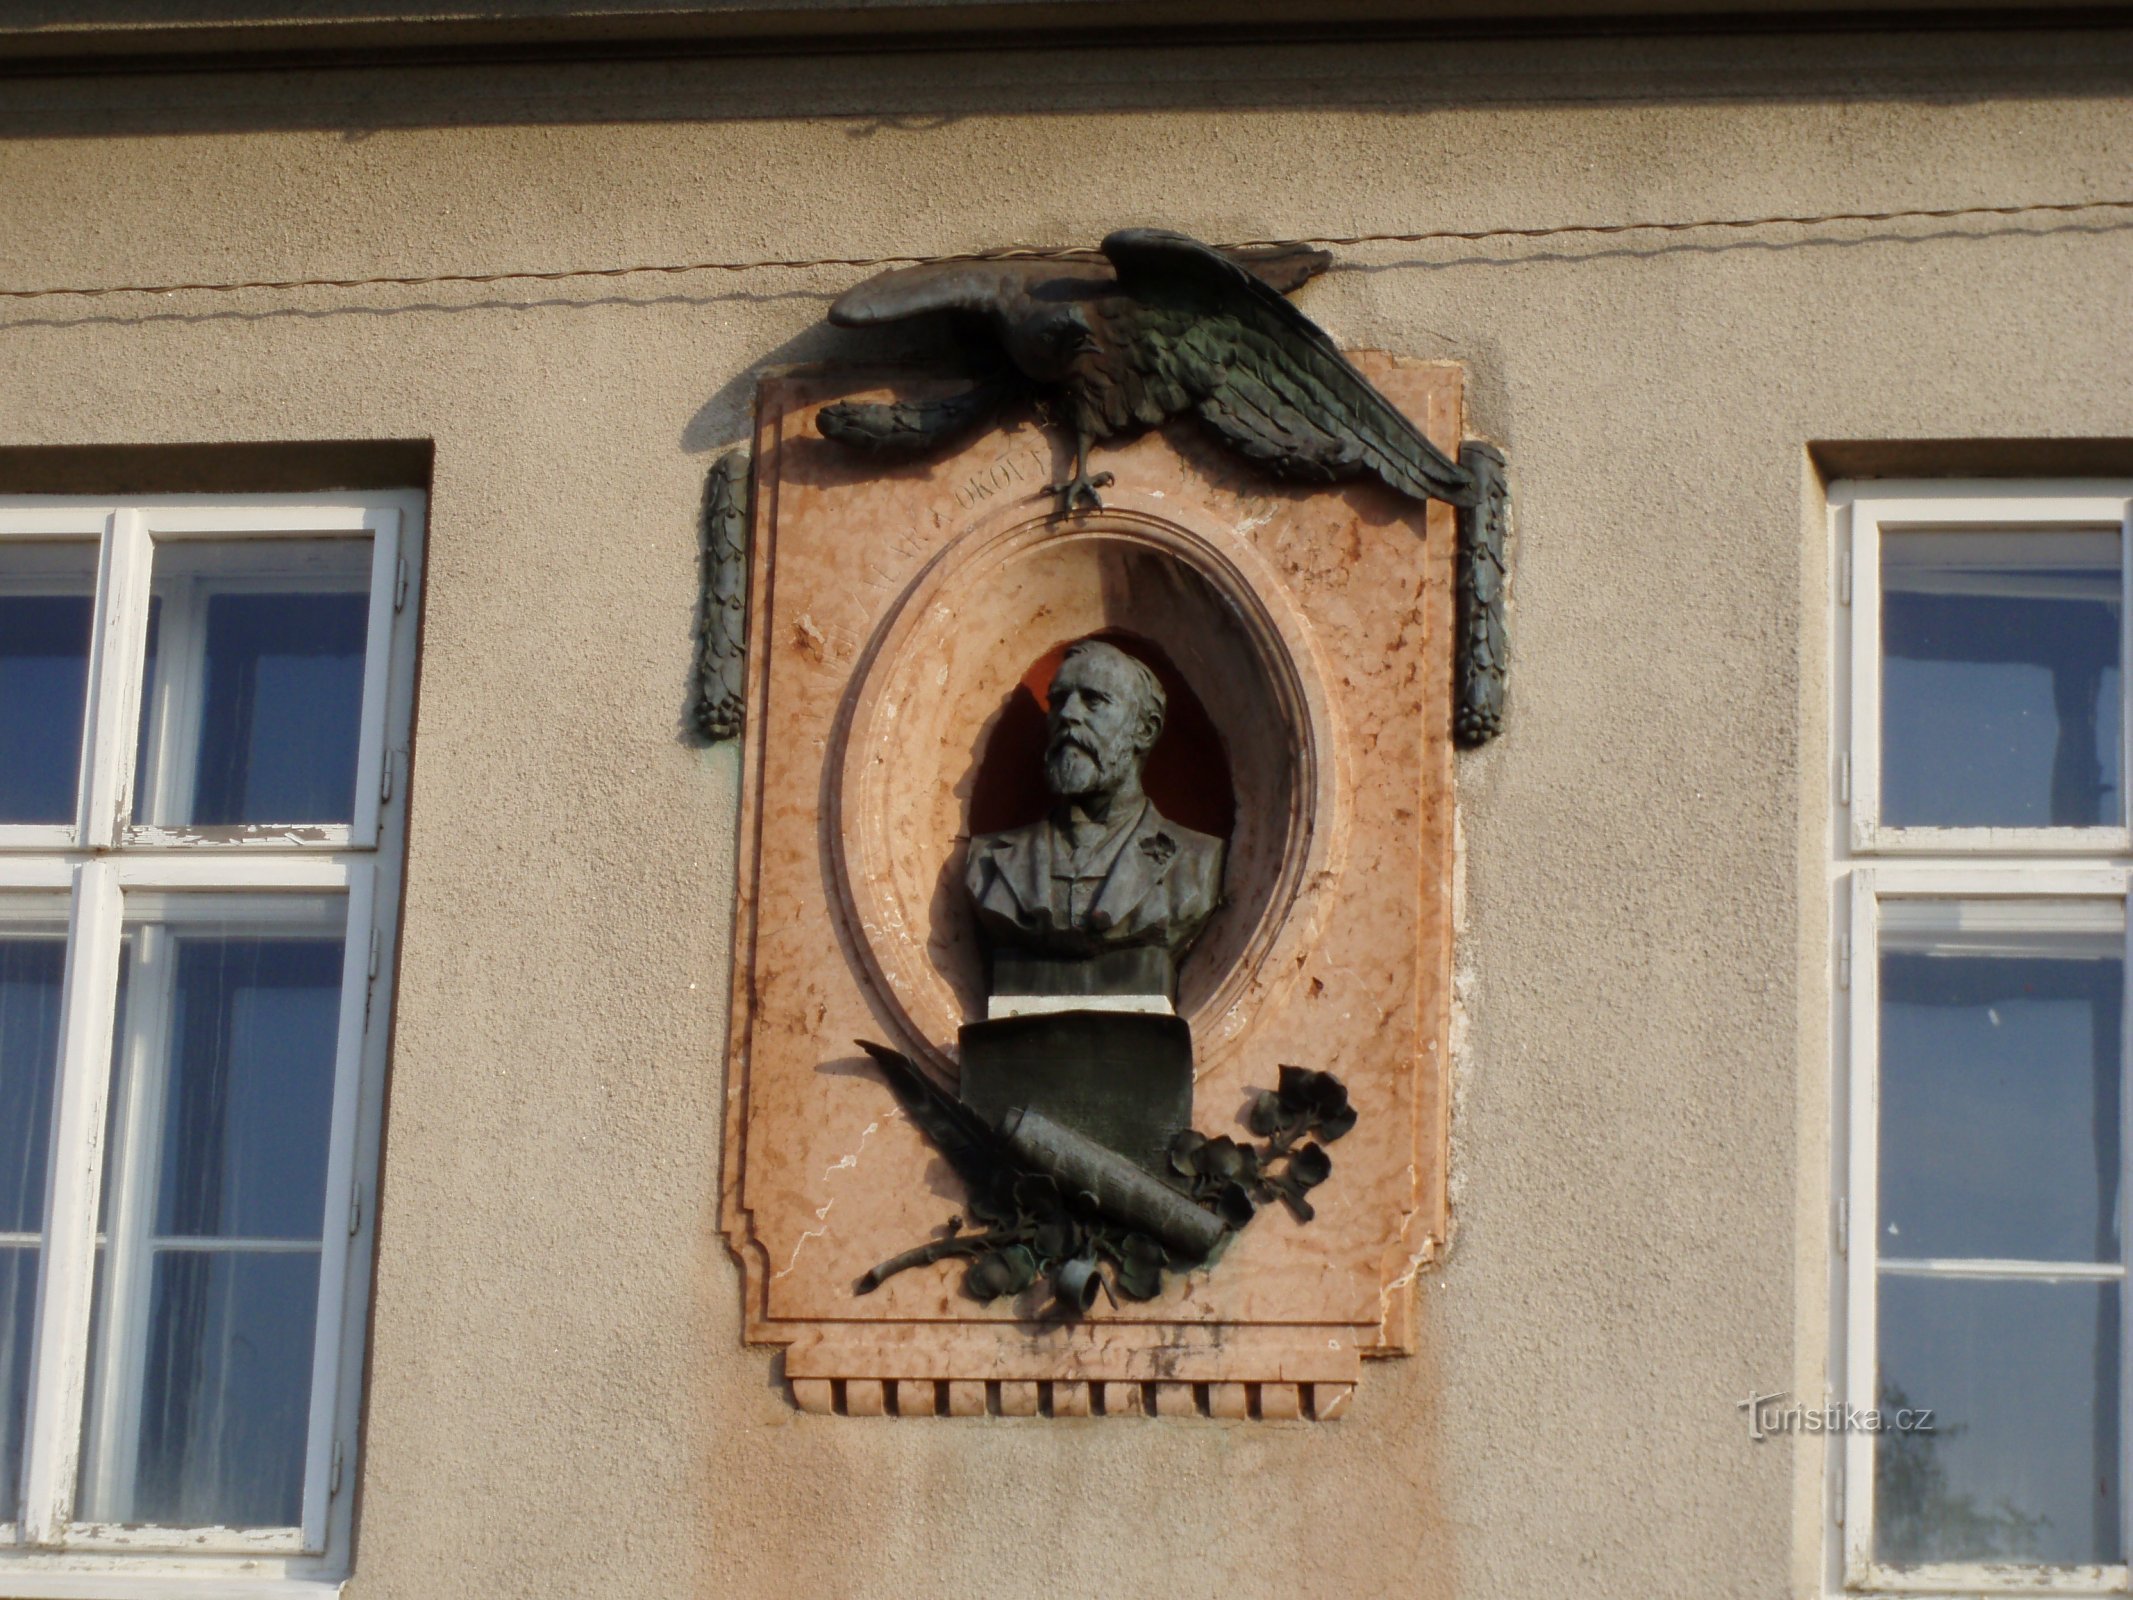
59	1358
115	680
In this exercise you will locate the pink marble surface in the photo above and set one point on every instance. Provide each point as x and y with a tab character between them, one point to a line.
892	611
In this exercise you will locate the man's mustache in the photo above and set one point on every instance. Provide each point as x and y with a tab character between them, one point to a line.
1071	739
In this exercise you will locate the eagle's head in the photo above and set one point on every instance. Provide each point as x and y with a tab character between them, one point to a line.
1046	343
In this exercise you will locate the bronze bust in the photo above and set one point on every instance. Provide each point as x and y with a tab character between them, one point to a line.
1105	893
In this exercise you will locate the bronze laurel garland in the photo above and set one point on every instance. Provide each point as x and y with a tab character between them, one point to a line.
722	627
1023	1225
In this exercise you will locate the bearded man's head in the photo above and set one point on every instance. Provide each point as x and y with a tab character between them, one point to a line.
1107	711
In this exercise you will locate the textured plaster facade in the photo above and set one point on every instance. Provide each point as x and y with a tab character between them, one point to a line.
558	1402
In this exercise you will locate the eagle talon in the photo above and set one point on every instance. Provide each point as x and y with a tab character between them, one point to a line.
1081	488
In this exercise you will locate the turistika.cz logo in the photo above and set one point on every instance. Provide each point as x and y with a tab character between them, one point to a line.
1772	1416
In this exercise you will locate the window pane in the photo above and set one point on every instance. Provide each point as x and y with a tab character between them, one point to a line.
200	1371
32	966
2001	679
18	1310
2022	1463
46	594
254	681
226	1392
2000	1074
251	1087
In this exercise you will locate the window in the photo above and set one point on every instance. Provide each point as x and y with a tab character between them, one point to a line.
1981	868
204	709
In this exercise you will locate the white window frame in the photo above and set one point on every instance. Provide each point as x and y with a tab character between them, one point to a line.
94	862
1902	507
56	523
1873	864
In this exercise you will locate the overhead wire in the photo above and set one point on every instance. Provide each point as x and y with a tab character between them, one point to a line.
1040	253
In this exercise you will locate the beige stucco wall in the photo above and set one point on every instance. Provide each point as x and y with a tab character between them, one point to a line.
557	1402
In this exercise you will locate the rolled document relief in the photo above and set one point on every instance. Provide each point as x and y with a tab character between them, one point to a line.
1122	1191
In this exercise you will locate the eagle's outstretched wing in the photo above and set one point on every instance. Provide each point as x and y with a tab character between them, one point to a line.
1266	377
909	427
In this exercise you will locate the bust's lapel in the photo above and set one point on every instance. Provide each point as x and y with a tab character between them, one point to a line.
1023	862
1136	871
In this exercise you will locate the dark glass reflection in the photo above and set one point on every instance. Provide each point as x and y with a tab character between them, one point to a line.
250	1096
44	683
2022	1463
2001	680
225	1402
31	971
2000	1107
18	1310
282	708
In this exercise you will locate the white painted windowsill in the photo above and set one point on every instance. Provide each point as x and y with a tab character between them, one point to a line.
21	1585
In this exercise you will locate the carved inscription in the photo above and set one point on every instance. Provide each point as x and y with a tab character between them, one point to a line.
1022	467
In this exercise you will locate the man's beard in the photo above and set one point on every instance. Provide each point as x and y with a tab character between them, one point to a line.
1075	768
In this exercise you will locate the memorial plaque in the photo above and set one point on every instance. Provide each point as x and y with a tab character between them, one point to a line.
909	622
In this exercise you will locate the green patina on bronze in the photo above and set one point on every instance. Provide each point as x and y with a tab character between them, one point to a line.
1481	661
722	629
1071	1127
1158	325
1090	1229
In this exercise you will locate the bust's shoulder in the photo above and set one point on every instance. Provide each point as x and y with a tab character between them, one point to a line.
1005	840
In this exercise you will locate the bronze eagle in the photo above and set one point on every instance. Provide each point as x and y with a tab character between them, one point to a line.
1159	325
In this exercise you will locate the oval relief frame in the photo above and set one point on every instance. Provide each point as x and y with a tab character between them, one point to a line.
939	673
